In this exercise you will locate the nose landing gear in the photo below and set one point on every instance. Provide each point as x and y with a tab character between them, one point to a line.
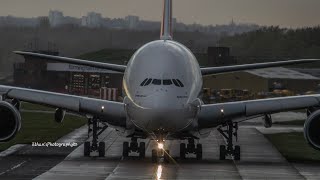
160	153
191	148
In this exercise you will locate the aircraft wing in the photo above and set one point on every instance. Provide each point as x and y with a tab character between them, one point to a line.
82	105
213	115
113	67
226	69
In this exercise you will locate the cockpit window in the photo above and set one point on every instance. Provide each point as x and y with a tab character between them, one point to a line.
175	82
143	82
167	82
180	83
148	82
156	82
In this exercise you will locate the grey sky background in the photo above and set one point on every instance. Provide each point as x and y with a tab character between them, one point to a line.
285	13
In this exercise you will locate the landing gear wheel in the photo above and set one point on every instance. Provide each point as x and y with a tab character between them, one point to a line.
154	156
237	153
182	150
101	149
223	152
86	149
166	156
199	152
125	150
142	149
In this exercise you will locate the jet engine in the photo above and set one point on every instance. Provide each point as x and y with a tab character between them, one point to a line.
59	115
10	121
311	129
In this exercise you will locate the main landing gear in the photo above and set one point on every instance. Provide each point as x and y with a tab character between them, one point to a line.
96	128
134	147
191	148
228	133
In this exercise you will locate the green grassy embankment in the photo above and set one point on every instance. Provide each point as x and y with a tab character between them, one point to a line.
294	147
41	127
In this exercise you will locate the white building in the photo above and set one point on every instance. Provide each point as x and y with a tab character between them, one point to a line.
56	18
132	21
92	20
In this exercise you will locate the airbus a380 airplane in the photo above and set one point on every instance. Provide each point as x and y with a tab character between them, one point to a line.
162	83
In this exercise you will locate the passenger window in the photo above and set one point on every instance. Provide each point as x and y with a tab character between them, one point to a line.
148	82
142	84
167	82
156	82
175	83
180	83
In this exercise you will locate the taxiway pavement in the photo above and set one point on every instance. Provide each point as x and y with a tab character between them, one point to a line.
260	160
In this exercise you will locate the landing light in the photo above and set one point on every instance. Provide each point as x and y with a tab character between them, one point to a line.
160	145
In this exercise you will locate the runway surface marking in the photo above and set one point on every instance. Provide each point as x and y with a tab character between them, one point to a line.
14	167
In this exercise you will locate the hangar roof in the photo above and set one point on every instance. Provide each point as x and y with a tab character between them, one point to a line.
65	67
280	73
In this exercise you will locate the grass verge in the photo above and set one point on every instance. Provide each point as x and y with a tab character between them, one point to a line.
294	147
293	123
41	127
35	107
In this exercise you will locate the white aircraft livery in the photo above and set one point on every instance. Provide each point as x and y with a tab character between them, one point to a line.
162	85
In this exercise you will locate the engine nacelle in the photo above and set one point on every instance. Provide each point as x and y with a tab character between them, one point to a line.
311	129
10	121
59	115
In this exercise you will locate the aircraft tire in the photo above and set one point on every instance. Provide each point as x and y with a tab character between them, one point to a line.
142	150
223	152
237	153
199	152
102	149
125	150
86	149
182	150
154	156
166	156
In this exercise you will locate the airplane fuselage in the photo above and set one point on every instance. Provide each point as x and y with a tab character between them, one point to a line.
162	84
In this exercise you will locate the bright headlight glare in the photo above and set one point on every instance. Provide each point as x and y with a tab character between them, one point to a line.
160	145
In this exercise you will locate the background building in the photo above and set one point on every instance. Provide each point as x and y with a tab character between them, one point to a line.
132	21
92	20
56	18
68	78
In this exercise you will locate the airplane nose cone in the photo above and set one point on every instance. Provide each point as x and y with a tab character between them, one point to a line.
162	100
163	110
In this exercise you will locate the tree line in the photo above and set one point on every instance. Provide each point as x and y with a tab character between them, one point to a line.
275	43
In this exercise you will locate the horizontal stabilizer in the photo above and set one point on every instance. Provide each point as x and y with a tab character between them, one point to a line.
113	67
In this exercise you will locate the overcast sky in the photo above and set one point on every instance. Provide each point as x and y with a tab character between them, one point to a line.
286	13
